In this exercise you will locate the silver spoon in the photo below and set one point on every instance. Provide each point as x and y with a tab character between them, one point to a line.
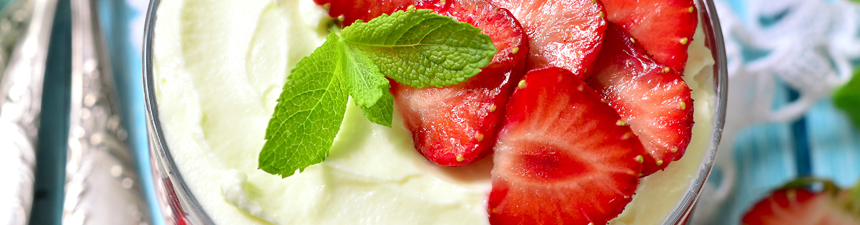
102	185
26	30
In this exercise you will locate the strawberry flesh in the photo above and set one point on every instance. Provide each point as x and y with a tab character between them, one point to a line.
563	33
364	10
561	158
800	207
656	103
456	125
664	28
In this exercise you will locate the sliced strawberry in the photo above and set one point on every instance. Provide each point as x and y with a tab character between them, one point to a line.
664	28
348	11
562	33
800	206
561	157
456	125
656	103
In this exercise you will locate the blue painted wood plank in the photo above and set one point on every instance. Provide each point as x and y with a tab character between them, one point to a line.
54	129
764	155
117	18
834	144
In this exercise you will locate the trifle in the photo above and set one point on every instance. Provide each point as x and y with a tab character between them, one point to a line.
217	68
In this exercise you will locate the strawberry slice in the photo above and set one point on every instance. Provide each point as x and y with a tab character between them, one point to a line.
456	125
563	33
664	28
348	11
801	206
561	157
656	103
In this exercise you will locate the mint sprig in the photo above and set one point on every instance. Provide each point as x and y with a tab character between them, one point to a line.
416	47
422	49
309	112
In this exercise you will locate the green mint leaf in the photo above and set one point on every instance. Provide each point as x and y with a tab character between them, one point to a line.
382	112
416	48
308	114
366	83
420	48
847	97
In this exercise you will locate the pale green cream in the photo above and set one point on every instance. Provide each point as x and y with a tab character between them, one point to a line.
220	66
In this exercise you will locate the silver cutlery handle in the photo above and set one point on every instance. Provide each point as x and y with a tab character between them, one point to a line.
102	184
20	101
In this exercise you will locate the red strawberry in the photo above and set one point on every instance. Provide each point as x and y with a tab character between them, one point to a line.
561	157
563	33
347	11
656	103
800	206
456	125
662	27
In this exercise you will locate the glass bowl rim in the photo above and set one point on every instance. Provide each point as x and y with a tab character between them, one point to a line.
161	155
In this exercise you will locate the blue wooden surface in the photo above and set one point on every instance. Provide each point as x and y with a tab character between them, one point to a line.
822	143
54	128
117	21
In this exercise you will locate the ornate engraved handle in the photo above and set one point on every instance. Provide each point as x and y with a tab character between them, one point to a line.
20	101
102	185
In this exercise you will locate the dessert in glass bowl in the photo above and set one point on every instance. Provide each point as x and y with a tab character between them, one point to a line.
213	71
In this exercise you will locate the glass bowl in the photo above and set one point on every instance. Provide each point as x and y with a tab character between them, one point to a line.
179	205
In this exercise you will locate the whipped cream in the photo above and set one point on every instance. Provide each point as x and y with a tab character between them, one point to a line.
219	68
